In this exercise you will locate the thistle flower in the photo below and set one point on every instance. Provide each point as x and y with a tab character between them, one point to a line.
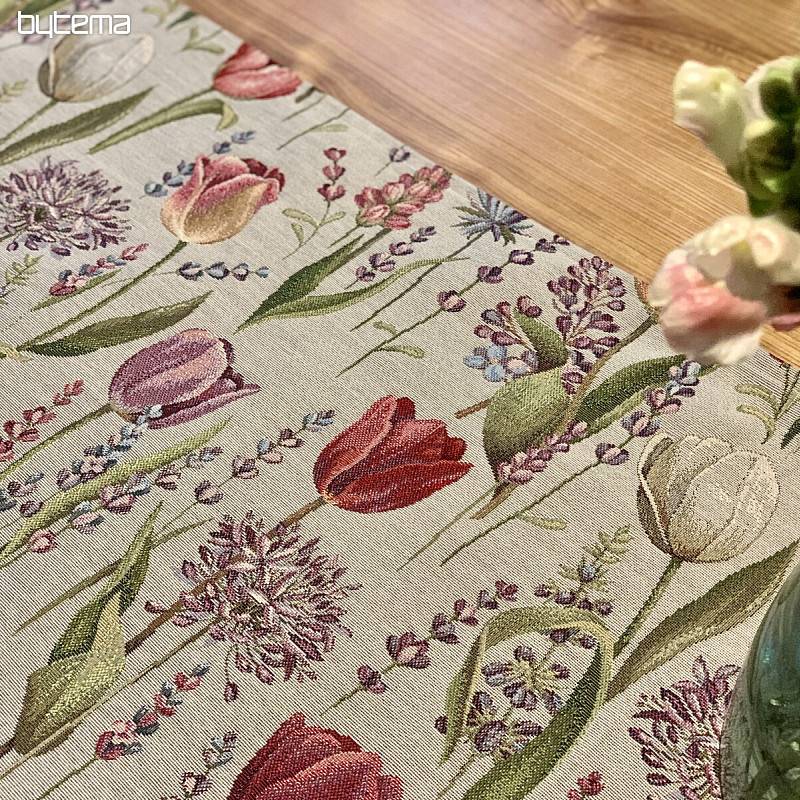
60	208
487	214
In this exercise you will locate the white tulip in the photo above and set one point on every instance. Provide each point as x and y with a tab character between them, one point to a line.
702	500
87	67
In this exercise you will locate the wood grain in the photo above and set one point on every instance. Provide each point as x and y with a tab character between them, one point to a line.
561	108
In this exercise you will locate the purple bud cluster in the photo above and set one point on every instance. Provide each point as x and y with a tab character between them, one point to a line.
385	261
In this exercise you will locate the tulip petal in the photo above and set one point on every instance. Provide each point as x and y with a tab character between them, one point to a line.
178	204
350	776
400	486
356	442
261	85
246	57
170	372
390	787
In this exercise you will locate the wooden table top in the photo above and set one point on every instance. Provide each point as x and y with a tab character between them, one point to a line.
561	108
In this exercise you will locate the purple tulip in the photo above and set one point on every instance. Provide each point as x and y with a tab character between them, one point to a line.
188	375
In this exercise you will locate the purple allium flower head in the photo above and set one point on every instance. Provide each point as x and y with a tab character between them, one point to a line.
60	208
680	740
270	594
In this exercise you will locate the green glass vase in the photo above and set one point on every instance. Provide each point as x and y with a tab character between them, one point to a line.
760	757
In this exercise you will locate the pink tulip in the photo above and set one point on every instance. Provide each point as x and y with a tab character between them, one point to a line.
251	74
221	197
188	375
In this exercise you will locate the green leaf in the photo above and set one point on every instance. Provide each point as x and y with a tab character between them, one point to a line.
298	232
514	777
59	693
319	304
793	430
548	523
296	213
118	330
522	413
332	218
335	127
548	344
180	110
125	581
61	504
385	326
90	284
759	391
730	602
405	349
85	124
766	420
10	91
623	391
187	15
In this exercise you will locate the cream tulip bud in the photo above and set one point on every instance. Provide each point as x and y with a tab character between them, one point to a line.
710	102
702	500
86	67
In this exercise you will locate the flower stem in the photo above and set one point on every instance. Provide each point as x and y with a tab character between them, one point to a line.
457	518
306	108
649	605
76	771
344	236
45	443
27	121
313	128
178	605
557	488
458	776
113	296
465	412
416	283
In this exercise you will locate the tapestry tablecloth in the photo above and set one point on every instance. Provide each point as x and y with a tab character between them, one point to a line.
324	474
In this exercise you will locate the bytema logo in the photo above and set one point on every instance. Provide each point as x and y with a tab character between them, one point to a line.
81	24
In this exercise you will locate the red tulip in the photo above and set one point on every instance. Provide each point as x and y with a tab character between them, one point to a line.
188	375
220	198
301	762
388	459
249	73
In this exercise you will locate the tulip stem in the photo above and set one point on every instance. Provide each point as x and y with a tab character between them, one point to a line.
69	776
113	296
465	412
644	612
27	121
45	443
318	127
306	108
436	536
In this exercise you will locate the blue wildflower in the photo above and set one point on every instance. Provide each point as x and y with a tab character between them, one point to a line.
497	365
487	214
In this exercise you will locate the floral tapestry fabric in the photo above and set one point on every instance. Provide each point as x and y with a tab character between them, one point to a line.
324	474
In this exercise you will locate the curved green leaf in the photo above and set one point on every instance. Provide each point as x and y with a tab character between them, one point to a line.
522	413
59	693
180	110
85	124
623	391
125	581
118	330
548	344
63	503
754	390
733	600
514	777
765	419
405	349
499	629
296	213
